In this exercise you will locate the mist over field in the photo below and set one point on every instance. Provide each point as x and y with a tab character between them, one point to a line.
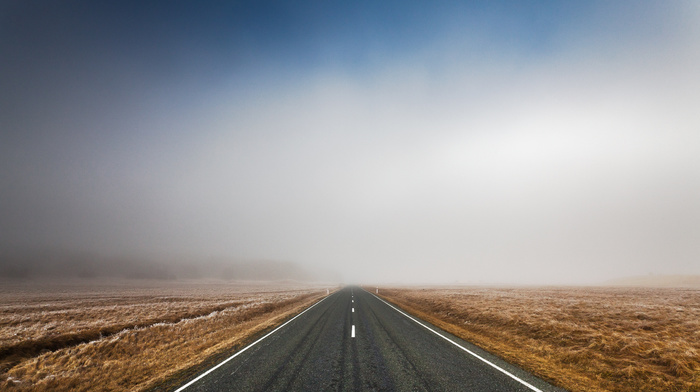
55	264
397	142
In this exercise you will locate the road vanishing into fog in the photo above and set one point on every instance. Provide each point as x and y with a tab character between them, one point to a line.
354	341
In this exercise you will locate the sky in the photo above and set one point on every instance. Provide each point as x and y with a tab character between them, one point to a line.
533	142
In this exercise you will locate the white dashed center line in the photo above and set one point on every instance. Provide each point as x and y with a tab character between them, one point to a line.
352	298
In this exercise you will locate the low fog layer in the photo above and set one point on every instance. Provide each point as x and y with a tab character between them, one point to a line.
477	144
58	264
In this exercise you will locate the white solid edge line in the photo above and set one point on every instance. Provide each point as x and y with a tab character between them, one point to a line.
247	347
500	369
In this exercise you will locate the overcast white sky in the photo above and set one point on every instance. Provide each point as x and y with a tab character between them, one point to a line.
480	143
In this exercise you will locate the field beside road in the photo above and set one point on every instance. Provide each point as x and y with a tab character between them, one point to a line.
130	336
582	339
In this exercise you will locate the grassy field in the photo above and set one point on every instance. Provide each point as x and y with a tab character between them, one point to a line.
583	339
130	336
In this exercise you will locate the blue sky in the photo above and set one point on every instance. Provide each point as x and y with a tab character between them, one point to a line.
531	142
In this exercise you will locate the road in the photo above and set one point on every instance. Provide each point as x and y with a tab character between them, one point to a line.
354	341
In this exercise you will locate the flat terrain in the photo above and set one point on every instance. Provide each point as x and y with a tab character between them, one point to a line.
156	336
130	335
353	341
582	339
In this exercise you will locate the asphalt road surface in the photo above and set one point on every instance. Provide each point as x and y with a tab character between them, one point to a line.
354	341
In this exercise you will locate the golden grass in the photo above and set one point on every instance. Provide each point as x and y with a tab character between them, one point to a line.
127	337
582	339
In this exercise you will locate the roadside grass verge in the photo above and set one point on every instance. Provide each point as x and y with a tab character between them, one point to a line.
129	340
582	339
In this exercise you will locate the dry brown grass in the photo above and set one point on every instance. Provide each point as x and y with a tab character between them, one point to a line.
583	339
127	336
